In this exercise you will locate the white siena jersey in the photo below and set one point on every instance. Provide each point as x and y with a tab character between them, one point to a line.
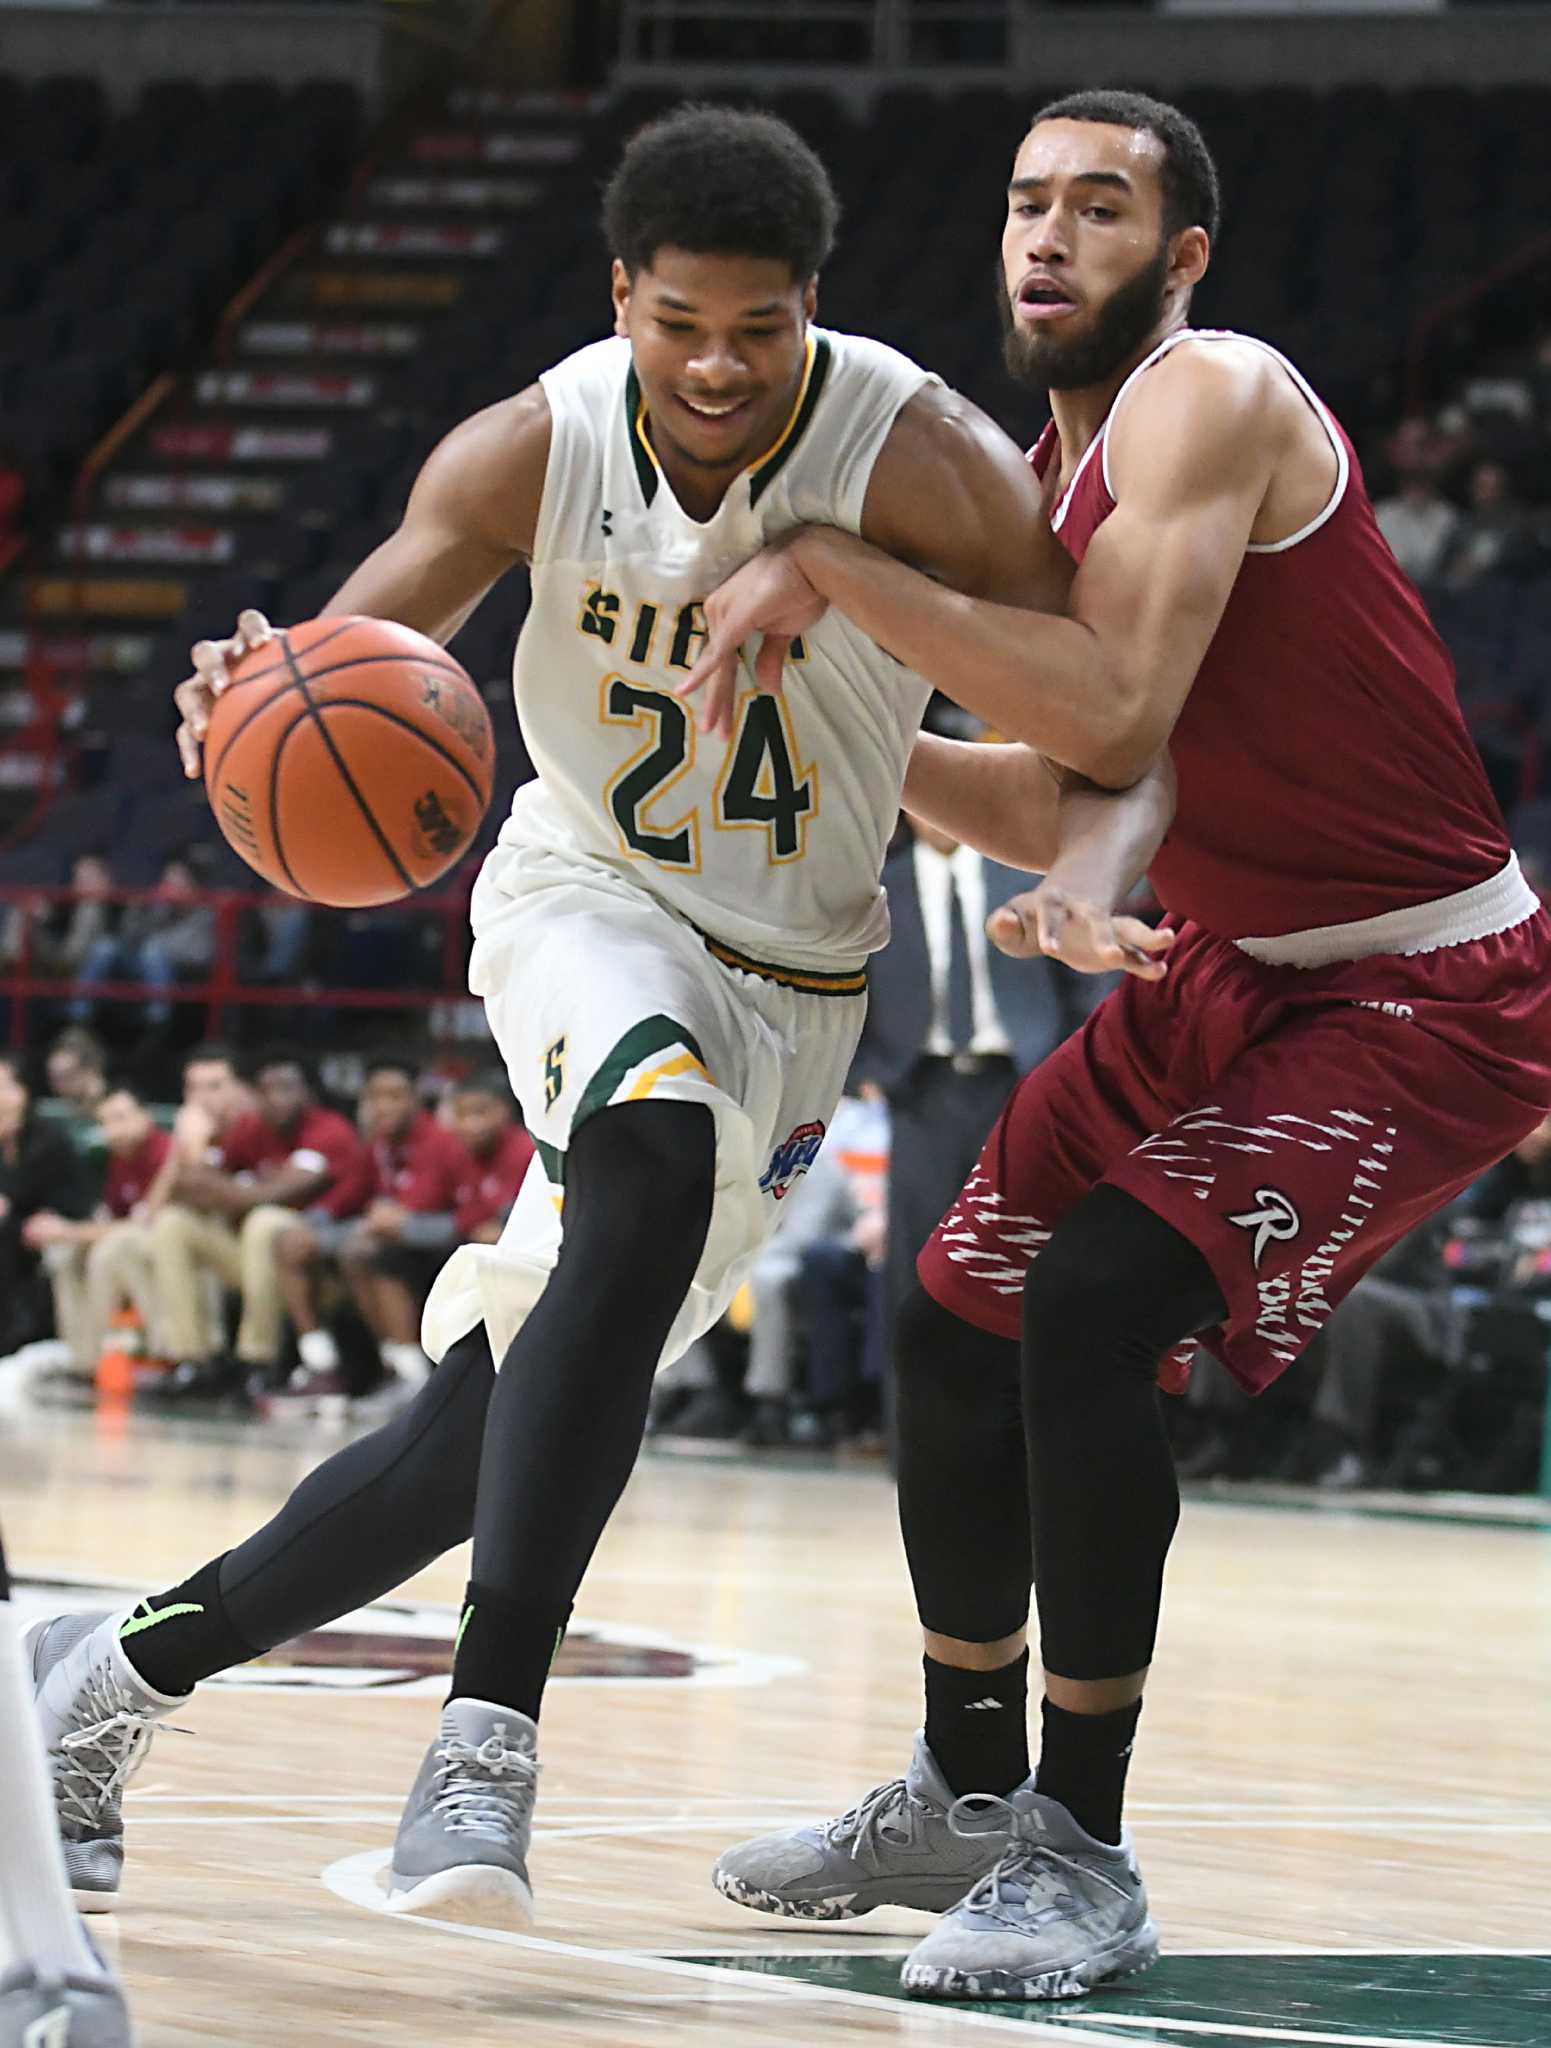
772	843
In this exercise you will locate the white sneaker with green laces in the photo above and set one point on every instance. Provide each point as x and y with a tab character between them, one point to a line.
1059	1915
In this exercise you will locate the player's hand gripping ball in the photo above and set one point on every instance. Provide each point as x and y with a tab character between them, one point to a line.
349	761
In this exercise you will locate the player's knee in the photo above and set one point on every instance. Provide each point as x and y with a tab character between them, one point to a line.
939	1357
1115	1290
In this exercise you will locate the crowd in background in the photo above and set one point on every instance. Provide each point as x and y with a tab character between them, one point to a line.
1462	493
268	1250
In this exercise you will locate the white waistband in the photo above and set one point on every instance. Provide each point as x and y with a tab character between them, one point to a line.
1502	900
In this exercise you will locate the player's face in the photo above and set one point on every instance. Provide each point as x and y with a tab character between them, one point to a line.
282	1094
388	1104
122	1121
718	344
1086	266
478	1120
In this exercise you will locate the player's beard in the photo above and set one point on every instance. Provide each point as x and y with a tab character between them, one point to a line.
1043	359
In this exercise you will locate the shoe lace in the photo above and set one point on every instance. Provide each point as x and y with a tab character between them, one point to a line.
863	1823
1031	1876
485	1788
103	1753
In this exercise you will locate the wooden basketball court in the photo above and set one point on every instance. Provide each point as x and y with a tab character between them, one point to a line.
1342	1796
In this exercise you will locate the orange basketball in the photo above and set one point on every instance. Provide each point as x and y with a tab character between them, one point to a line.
349	761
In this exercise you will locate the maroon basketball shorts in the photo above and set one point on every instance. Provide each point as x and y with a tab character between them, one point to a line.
1293	1123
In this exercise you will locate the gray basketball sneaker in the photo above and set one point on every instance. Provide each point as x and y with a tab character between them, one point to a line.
97	1715
893	1848
73	2012
1059	1915
462	1847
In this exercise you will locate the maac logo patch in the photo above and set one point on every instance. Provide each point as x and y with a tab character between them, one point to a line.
1275	1221
791	1160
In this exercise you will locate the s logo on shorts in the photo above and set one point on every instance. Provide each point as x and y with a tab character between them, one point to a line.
554	1073
791	1160
1275	1221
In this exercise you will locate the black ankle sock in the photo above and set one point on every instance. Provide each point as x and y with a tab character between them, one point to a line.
1083	1763
177	1638
977	1724
505	1649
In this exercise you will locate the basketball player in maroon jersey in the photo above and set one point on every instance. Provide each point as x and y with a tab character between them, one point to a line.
1355	1022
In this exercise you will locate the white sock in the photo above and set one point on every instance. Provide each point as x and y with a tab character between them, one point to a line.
318	1351
408	1361
36	1910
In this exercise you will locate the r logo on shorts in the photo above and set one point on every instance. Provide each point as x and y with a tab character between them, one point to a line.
1276	1221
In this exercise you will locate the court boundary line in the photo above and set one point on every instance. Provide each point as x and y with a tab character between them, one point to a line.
353	1880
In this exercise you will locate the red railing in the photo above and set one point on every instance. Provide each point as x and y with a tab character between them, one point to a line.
222	988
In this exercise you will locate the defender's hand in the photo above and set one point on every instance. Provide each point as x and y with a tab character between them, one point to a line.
213	660
1050	921
770	596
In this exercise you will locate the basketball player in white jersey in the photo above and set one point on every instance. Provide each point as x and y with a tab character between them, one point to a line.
54	1991
670	936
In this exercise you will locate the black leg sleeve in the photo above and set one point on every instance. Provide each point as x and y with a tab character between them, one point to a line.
366	1520
569	1409
963	1487
1114	1291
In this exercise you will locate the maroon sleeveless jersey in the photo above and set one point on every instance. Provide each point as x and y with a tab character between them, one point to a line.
1325	773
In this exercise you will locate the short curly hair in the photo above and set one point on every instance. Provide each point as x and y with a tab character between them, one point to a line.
1192	193
721	181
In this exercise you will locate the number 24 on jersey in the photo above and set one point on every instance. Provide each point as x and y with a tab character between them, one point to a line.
760	788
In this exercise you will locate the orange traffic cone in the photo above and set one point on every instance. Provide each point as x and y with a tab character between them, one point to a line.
120	1353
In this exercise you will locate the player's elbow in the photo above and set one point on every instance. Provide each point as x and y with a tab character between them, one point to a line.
1120	747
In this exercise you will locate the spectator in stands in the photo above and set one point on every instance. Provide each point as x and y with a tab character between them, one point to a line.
276	942
221	1216
59	936
419	1171
1493	538
103	1263
168	938
823	1211
39	1169
1419	523
841	1291
76	1066
498	1147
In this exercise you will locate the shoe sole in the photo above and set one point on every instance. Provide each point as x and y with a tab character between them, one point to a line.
475	1894
1130	1957
832	1905
95	1902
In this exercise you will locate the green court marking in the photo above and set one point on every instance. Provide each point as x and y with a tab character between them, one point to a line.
1443	2001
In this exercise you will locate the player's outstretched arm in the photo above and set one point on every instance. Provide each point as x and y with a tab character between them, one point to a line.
1105	841
1012	804
472	515
1193	455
